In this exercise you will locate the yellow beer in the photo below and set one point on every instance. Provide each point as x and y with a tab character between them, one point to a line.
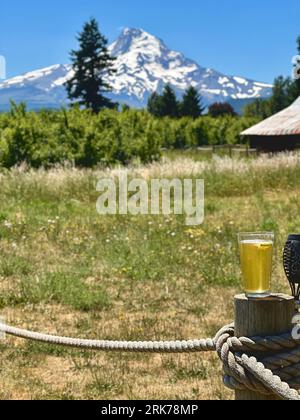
256	260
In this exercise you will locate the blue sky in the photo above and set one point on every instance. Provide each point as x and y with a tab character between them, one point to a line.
255	39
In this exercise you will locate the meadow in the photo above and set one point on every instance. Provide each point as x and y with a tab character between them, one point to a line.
68	271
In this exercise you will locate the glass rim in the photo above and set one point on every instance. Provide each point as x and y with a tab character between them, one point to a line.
258	234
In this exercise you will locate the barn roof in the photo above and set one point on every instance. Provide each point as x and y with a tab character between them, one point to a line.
286	122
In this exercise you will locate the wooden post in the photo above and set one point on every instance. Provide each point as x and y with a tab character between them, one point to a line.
262	317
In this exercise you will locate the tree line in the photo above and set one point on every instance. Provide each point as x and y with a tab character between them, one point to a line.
191	105
87	139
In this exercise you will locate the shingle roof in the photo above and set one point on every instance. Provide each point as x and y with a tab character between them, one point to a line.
286	122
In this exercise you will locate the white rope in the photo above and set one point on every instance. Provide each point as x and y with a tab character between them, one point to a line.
103	345
241	371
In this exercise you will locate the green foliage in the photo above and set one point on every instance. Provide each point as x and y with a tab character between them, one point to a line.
164	105
91	62
167	103
79	136
86	139
285	92
203	131
281	94
191	104
219	109
154	105
120	137
260	108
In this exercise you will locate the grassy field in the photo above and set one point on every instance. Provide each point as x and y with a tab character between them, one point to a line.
66	270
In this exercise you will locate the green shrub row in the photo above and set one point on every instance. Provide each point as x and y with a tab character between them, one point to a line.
47	138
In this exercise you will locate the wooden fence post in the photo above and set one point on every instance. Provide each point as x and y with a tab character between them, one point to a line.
262	317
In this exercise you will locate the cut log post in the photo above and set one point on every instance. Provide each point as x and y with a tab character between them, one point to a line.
262	317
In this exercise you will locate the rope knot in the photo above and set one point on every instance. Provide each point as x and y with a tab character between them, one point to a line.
269	365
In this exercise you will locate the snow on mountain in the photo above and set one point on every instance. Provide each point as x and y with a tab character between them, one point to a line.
144	64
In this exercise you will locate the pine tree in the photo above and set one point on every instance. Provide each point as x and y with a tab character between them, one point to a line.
154	105
259	108
279	99
169	105
92	64
191	104
292	91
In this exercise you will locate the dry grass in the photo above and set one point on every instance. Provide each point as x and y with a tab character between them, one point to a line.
180	167
66	270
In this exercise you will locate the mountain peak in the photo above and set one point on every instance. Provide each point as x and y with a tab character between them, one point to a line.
144	64
134	38
133	32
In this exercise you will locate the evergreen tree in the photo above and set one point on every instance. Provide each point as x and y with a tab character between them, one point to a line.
279	99
92	64
191	104
154	105
125	107
169	106
260	108
292	91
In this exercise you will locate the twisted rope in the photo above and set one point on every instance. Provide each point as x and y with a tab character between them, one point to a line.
244	364
119	346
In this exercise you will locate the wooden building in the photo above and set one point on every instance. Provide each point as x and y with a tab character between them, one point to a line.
277	133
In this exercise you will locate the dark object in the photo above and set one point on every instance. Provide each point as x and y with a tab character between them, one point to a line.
273	144
219	109
91	63
291	262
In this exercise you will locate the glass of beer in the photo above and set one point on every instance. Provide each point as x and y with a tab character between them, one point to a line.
256	253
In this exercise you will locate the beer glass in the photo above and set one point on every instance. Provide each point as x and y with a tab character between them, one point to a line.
256	254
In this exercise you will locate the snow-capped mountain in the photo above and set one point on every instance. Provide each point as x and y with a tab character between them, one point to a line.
144	64
40	88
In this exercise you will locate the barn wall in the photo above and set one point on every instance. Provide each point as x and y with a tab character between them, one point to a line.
275	143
